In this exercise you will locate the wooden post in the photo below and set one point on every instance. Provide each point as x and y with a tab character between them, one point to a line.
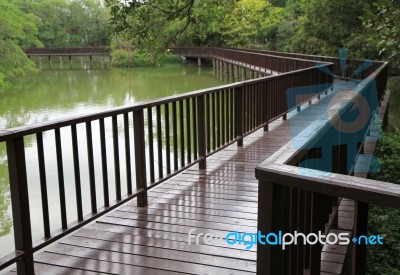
140	156
272	217
317	224
20	204
361	228
201	131
239	114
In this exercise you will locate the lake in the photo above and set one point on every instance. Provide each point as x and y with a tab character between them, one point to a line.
55	94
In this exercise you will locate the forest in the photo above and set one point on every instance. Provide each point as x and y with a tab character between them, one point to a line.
146	29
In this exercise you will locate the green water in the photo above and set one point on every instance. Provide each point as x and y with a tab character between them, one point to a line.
55	94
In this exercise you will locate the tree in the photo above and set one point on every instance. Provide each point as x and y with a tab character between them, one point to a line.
382	21
324	26
150	25
17	30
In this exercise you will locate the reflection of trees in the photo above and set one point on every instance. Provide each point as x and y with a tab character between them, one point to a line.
5	219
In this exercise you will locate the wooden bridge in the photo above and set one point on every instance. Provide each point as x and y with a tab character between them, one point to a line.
241	157
60	53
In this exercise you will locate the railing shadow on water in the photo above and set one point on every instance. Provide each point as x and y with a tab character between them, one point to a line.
186	129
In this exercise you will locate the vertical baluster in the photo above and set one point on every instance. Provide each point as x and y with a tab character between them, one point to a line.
116	158
175	132
202	136
60	170
167	138
294	249
218	118
182	132
140	156
214	120
20	204
232	109
127	155
307	226
195	118
151	143
208	121
43	185
159	142
301	228
104	168
91	167
188	130
317	224
239	114
223	122
228	115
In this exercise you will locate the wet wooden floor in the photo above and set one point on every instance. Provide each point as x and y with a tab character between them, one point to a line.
218	200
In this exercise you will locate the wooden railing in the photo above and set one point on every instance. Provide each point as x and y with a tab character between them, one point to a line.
353	68
189	127
259	60
305	199
67	51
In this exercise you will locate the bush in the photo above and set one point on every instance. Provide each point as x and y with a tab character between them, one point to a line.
385	259
125	58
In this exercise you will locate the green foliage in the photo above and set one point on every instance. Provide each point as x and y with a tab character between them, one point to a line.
382	21
150	25
64	23
138	58
251	22
124	58
17	29
323	26
386	221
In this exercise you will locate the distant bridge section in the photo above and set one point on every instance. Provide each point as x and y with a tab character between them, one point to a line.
67	51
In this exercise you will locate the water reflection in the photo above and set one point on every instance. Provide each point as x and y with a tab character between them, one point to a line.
54	94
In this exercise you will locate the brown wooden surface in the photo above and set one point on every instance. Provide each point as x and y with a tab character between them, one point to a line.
153	239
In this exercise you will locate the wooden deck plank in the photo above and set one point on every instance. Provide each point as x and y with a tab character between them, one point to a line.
218	200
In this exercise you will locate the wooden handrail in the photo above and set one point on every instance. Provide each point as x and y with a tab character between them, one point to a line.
205	116
282	184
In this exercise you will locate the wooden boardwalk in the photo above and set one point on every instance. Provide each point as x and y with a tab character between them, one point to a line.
218	200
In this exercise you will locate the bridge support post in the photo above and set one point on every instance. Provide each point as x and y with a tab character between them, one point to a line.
199	61
213	61
243	73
